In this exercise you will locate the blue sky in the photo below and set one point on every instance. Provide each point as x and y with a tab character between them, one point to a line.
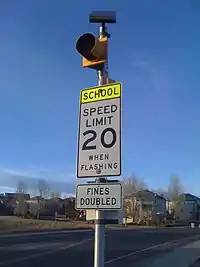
153	50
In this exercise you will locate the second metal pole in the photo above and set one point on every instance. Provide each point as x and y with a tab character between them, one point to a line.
99	242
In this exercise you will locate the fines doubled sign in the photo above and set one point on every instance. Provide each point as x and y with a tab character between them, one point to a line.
106	196
99	140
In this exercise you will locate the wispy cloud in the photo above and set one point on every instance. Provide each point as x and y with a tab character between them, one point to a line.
6	189
10	177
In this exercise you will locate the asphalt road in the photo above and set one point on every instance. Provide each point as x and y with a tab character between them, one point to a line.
123	247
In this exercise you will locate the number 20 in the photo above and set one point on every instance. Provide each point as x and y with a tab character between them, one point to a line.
86	145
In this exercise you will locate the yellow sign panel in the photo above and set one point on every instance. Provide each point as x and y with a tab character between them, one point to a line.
99	93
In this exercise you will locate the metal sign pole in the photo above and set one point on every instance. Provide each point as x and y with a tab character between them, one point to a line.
92	160
99	244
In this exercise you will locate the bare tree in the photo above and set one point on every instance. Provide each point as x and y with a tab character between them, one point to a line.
21	187
131	185
175	189
44	189
161	192
44	193
21	205
55	194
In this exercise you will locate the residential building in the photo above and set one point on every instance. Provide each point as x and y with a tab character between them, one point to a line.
16	195
46	208
187	209
145	207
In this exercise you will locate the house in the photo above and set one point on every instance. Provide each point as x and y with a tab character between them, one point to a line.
46	208
9	201
40	207
16	195
145	207
187	209
53	205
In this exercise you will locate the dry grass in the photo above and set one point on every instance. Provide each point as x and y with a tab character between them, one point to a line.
130	226
11	223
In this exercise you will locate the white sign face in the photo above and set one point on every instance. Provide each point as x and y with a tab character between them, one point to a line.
99	196
107	215
99	144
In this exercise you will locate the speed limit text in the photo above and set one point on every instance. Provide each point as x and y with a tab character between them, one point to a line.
103	115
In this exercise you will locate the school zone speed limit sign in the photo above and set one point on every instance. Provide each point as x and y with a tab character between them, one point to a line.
99	138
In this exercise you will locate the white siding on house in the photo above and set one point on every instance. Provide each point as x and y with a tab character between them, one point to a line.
169	206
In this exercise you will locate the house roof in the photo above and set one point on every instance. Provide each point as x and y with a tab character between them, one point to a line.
190	197
145	193
16	195
55	199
